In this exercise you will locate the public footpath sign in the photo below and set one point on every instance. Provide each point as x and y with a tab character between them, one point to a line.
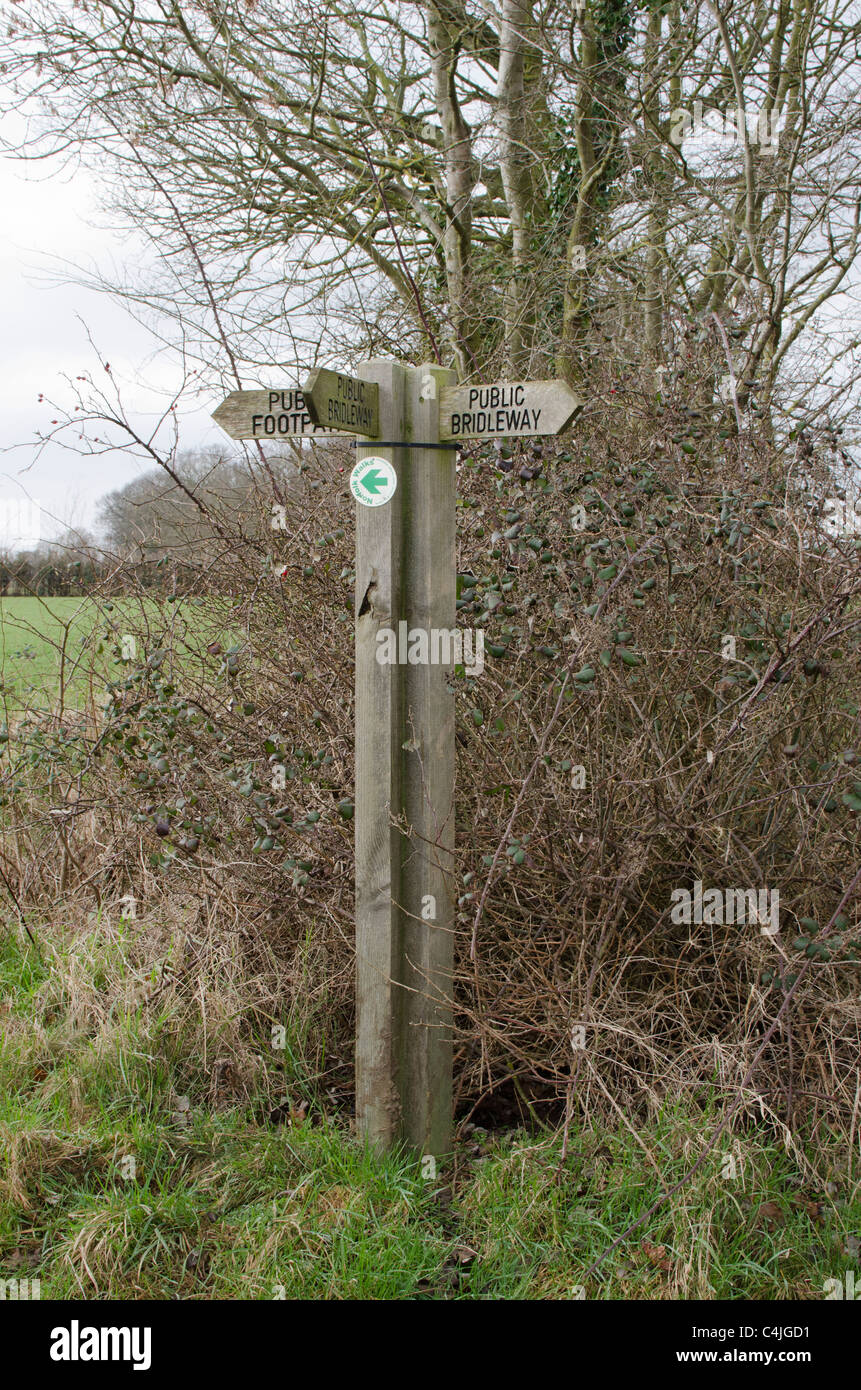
281	414
507	408
406	423
373	482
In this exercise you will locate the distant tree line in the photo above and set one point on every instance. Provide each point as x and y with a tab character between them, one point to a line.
56	568
159	531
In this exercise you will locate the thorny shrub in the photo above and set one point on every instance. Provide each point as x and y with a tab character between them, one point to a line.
607	569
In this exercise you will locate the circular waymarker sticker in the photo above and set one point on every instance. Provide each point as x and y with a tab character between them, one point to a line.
373	482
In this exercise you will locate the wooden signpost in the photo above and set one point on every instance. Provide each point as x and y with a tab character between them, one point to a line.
405	729
269	415
343	402
507	408
405	572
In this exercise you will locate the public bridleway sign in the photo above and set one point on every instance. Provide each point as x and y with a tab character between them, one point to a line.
506	409
343	402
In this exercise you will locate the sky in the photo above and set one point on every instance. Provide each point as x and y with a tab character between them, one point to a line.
50	223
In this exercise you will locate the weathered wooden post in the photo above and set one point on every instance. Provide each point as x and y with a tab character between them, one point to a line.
405	582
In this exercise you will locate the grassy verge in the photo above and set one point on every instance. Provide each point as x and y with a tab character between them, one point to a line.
128	1171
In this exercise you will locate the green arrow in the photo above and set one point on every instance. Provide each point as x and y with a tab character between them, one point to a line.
372	481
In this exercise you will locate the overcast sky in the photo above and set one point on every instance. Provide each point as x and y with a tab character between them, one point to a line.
47	218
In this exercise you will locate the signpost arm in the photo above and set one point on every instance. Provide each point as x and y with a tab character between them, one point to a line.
427	777
379	542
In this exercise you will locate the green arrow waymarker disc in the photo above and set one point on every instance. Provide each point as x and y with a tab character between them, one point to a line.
373	482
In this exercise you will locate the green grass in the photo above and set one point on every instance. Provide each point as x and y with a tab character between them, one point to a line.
37	637
44	639
124	1174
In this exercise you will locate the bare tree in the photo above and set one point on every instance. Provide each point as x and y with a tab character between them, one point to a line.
521	188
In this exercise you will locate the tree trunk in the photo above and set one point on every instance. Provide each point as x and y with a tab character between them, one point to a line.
459	181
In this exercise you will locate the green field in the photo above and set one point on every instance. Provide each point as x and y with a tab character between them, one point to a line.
68	648
39	639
